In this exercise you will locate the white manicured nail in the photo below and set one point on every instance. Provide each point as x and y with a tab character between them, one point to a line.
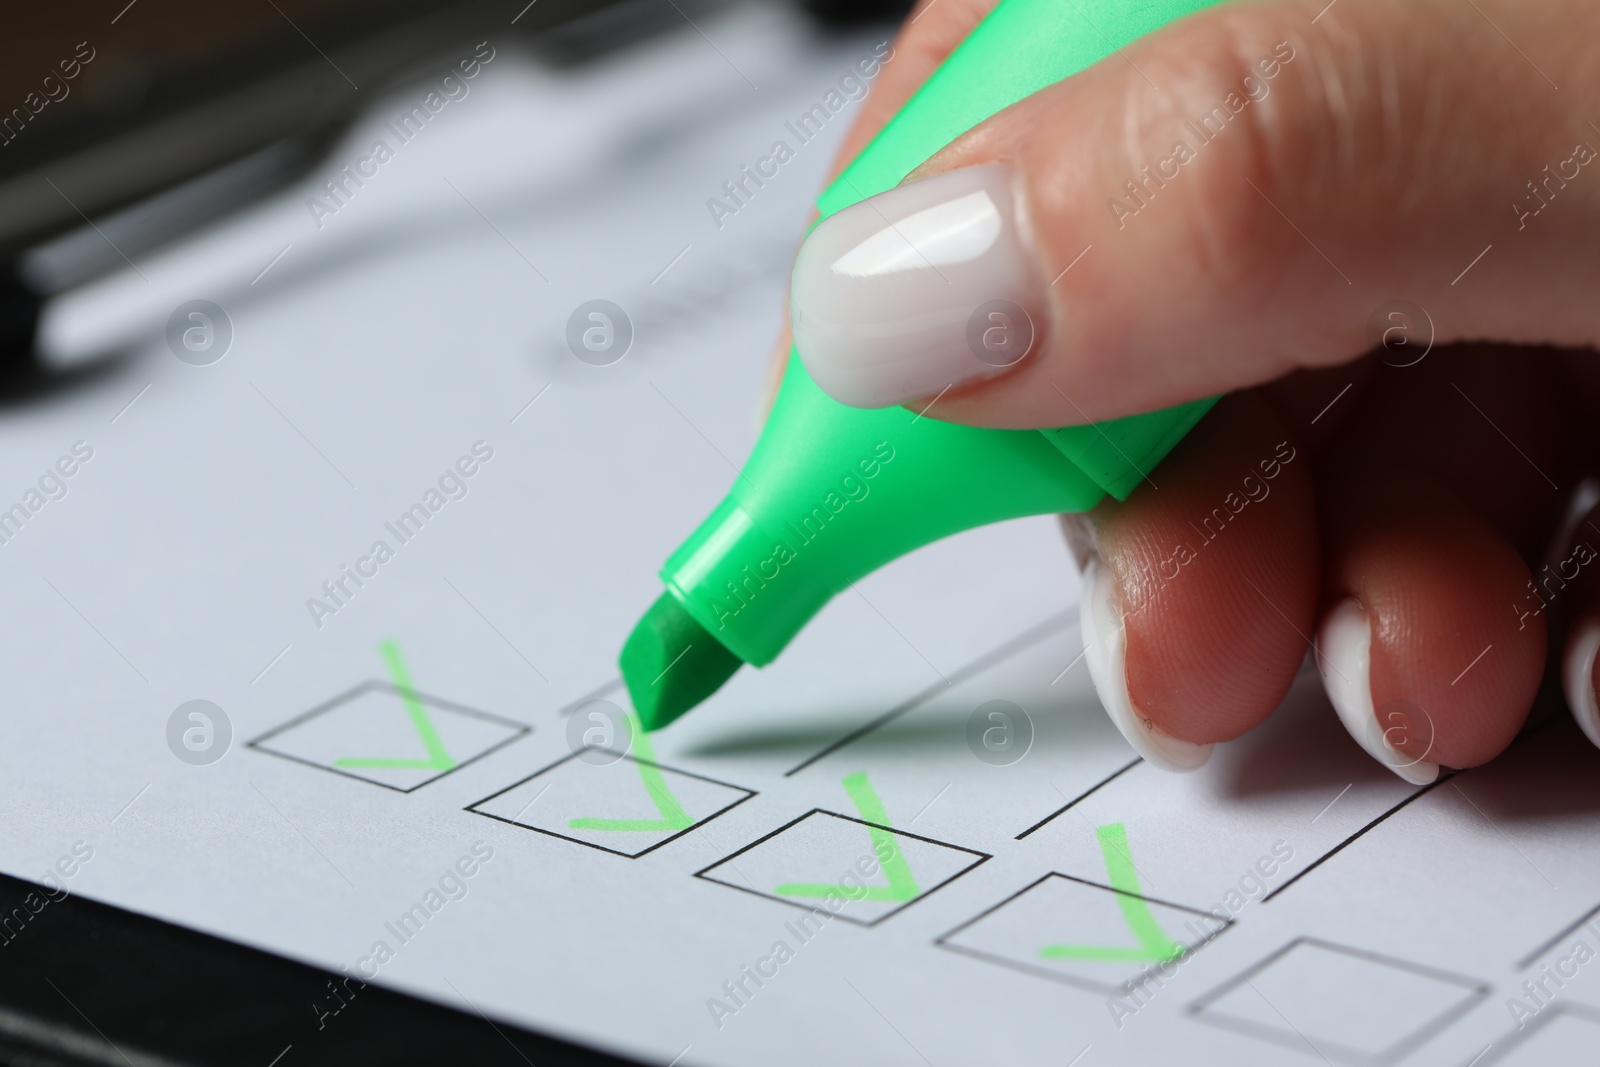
1577	677
929	285
1106	641
1344	656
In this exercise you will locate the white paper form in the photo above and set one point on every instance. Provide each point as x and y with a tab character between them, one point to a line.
400	797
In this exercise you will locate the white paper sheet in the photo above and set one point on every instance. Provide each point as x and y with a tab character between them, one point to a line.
1017	912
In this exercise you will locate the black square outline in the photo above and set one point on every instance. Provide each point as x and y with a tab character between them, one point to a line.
983	857
1476	992
1089	985
748	793
1540	1021
366	687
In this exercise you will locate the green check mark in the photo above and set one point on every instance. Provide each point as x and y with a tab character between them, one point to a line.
902	883
673	817
438	759
1154	945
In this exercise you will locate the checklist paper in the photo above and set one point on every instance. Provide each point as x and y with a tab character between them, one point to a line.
314	650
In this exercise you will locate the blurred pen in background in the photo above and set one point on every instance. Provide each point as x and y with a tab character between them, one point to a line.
127	125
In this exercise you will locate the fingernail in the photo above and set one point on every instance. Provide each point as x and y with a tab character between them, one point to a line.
1578	676
1106	641
929	285
1344	656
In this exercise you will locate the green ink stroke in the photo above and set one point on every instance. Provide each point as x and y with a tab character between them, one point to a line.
902	883
673	817
438	759
1154	945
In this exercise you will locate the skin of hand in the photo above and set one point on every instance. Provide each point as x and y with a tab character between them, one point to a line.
1372	225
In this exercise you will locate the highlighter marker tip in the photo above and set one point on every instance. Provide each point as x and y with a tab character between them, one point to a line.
670	663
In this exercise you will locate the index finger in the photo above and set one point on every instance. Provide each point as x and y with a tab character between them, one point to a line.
930	34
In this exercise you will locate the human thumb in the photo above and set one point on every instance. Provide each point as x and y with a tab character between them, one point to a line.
1254	189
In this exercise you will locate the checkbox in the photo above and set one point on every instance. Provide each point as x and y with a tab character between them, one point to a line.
862	872
1099	938
1561	1033
397	738
1340	1003
613	802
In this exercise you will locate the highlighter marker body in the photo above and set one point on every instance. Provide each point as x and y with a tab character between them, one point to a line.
830	492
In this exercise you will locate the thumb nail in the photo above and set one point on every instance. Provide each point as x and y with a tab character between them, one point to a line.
927	286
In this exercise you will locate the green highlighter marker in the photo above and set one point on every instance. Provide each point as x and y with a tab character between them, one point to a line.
831	492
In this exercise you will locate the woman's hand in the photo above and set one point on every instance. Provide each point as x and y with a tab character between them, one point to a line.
1375	225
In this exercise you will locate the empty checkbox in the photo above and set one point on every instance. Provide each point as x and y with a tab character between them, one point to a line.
1340	1003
